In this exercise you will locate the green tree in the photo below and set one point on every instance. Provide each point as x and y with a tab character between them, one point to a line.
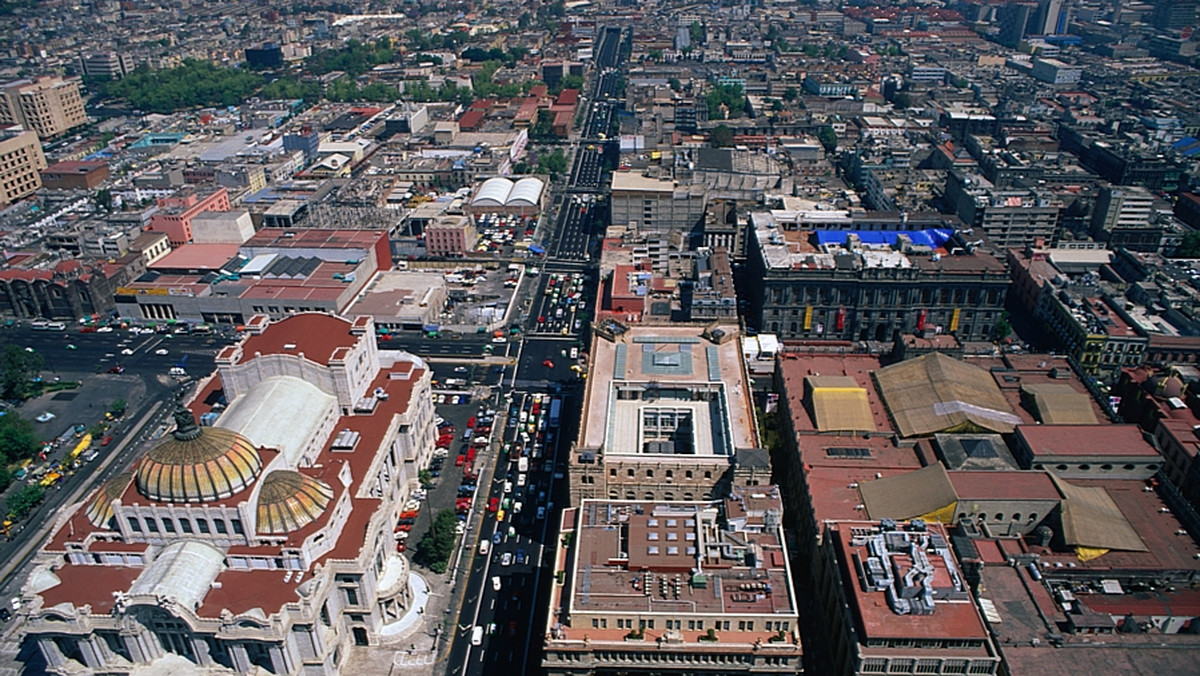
728	95
568	82
828	138
193	83
17	368
117	408
675	84
18	439
437	545
103	199
722	136
1002	328
23	501
291	88
902	100
553	163
425	477
791	94
697	33
1190	246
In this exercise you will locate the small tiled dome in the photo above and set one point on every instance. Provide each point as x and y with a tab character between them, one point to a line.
100	510
289	501
198	464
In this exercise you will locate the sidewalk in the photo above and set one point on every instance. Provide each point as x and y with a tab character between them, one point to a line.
427	646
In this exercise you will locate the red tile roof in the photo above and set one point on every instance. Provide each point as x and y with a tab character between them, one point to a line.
314	334
1086	440
1002	485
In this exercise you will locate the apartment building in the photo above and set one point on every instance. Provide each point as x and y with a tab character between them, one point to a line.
51	106
21	160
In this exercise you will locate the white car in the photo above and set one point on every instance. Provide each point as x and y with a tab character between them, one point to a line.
506	559
104	329
45	417
162	351
127	352
496	582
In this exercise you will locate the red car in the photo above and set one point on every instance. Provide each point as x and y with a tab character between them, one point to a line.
493	504
471	421
401	545
548	364
408	514
118	369
405	526
541	319
106	440
458	462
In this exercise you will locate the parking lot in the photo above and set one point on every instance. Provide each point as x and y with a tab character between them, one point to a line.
503	233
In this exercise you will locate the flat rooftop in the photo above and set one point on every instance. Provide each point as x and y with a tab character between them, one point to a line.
1086	441
1021	603
794	371
938	603
667	390
665	543
400	294
1150	518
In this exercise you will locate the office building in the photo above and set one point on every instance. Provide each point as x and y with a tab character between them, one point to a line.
177	211
1013	18
21	159
261	539
656	205
895	599
667	416
1173	15
1121	208
1010	217
105	65
50	106
674	587
869	285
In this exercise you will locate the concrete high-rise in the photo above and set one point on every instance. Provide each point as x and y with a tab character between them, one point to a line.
1014	18
50	106
20	161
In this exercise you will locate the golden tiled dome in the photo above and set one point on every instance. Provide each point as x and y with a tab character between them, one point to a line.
100	510
197	464
289	501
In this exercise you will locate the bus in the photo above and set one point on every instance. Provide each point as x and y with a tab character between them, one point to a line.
555	411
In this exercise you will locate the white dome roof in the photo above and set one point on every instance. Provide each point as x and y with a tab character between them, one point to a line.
527	192
493	192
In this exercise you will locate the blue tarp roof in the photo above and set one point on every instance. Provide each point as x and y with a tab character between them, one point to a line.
931	237
1189	146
